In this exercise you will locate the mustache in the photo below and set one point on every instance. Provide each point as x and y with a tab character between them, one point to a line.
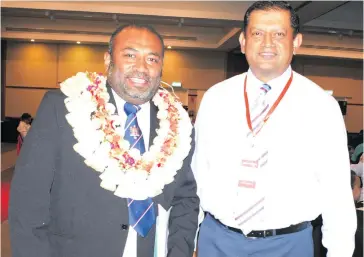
138	74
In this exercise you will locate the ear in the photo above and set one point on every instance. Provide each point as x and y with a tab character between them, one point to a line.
242	42
297	42
107	60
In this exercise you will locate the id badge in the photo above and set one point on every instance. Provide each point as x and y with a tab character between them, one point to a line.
252	161
255	158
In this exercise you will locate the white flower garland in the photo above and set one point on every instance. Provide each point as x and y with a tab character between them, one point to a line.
99	132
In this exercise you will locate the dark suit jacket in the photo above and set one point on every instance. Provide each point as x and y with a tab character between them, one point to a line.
58	209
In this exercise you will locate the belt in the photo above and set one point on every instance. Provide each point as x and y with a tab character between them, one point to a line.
269	232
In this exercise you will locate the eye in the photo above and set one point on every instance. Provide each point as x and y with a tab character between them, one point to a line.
152	59
257	33
128	55
280	34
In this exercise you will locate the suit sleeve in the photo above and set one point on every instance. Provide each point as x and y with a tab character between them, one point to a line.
184	213
31	184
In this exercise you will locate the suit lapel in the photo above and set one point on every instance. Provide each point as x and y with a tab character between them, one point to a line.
112	98
153	122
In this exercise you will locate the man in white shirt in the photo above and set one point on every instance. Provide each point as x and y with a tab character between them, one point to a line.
105	170
261	177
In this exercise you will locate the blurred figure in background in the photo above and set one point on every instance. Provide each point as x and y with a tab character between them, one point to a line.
356	185
357	159
23	128
24	124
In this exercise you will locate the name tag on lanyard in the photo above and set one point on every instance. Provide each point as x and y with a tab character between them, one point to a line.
252	161
255	159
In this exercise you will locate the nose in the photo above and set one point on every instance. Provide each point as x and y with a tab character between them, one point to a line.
267	41
141	65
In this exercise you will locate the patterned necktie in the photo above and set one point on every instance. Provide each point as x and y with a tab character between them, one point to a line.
253	199
260	108
141	212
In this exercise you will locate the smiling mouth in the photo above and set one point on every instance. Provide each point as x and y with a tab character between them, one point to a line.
267	56
138	81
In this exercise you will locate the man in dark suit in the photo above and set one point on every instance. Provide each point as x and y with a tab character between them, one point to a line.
60	204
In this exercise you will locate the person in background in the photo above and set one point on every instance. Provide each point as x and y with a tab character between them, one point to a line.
357	159
357	155
358	139
260	170
357	189
24	124
351	150
23	128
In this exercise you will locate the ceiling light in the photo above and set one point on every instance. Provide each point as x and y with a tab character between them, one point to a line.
169	47
78	42
32	40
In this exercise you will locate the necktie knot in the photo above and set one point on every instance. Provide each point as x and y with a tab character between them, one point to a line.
265	88
131	108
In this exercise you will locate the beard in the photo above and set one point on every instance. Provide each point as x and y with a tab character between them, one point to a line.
118	81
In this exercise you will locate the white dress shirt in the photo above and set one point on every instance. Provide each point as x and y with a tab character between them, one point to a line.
143	116
308	171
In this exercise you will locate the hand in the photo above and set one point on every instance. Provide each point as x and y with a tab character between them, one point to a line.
194	254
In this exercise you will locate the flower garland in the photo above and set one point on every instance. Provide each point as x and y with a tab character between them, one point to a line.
100	132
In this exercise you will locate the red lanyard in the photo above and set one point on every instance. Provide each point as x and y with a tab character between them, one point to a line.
247	109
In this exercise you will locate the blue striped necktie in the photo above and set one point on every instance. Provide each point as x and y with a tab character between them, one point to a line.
141	212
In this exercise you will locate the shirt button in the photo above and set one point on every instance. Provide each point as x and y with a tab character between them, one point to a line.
124	227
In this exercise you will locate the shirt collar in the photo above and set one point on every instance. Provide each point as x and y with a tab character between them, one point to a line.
277	84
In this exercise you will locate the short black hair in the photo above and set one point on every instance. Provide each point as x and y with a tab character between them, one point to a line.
25	116
273	5
132	25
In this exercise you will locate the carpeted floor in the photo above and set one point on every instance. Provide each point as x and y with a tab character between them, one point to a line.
5	188
8	159
6	177
5	240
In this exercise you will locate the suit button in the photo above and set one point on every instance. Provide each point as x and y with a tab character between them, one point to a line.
124	227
